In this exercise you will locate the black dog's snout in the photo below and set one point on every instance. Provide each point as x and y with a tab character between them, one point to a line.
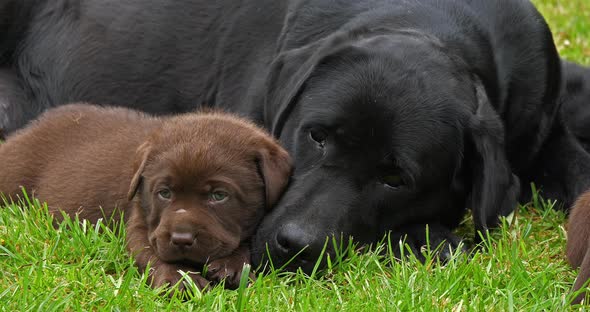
182	239
293	240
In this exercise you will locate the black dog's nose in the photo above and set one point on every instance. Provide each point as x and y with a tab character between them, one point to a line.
293	240
182	239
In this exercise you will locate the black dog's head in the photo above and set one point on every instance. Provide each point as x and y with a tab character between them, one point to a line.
385	131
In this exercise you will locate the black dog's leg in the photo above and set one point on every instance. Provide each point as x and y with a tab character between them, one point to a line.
14	106
438	238
561	170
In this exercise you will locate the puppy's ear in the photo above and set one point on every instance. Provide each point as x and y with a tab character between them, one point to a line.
275	167
141	157
495	188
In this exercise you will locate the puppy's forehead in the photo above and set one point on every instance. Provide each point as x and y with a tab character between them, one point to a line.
215	125
204	144
189	165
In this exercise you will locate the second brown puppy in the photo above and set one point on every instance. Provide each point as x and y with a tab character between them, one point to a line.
193	187
578	241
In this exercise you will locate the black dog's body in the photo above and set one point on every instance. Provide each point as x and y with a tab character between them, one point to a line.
397	113
576	100
564	170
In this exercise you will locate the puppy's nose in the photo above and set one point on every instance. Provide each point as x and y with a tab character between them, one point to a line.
293	240
182	239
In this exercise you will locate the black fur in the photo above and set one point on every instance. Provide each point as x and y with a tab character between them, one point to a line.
576	100
398	113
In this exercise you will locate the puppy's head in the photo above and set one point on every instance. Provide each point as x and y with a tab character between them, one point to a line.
204	181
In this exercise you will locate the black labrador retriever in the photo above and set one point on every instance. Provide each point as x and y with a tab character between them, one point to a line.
398	114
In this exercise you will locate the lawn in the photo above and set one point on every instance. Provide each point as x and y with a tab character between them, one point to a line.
522	267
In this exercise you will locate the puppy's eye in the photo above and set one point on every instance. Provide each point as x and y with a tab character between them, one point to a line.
165	194
218	196
319	136
393	180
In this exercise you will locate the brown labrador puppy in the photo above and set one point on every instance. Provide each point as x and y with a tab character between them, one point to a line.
193	187
578	242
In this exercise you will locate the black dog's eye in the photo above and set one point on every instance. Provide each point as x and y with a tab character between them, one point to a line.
393	180
319	136
165	194
218	196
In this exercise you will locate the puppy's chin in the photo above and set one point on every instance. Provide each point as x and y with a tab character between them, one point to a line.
198	254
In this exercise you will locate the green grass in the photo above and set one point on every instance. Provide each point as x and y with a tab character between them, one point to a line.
570	24
80	266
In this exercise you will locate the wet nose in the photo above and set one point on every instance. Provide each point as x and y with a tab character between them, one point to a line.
293	240
182	239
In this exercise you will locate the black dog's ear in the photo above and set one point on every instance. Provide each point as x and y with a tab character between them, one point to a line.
495	188
288	73
141	157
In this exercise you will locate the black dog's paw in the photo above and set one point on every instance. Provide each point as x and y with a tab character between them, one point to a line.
422	239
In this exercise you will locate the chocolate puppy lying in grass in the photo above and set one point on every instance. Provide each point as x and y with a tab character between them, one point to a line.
193	187
578	242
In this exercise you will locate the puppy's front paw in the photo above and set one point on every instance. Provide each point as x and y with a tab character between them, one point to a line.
166	274
228	269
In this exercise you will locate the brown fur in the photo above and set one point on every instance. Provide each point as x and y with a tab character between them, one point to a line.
79	158
578	243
